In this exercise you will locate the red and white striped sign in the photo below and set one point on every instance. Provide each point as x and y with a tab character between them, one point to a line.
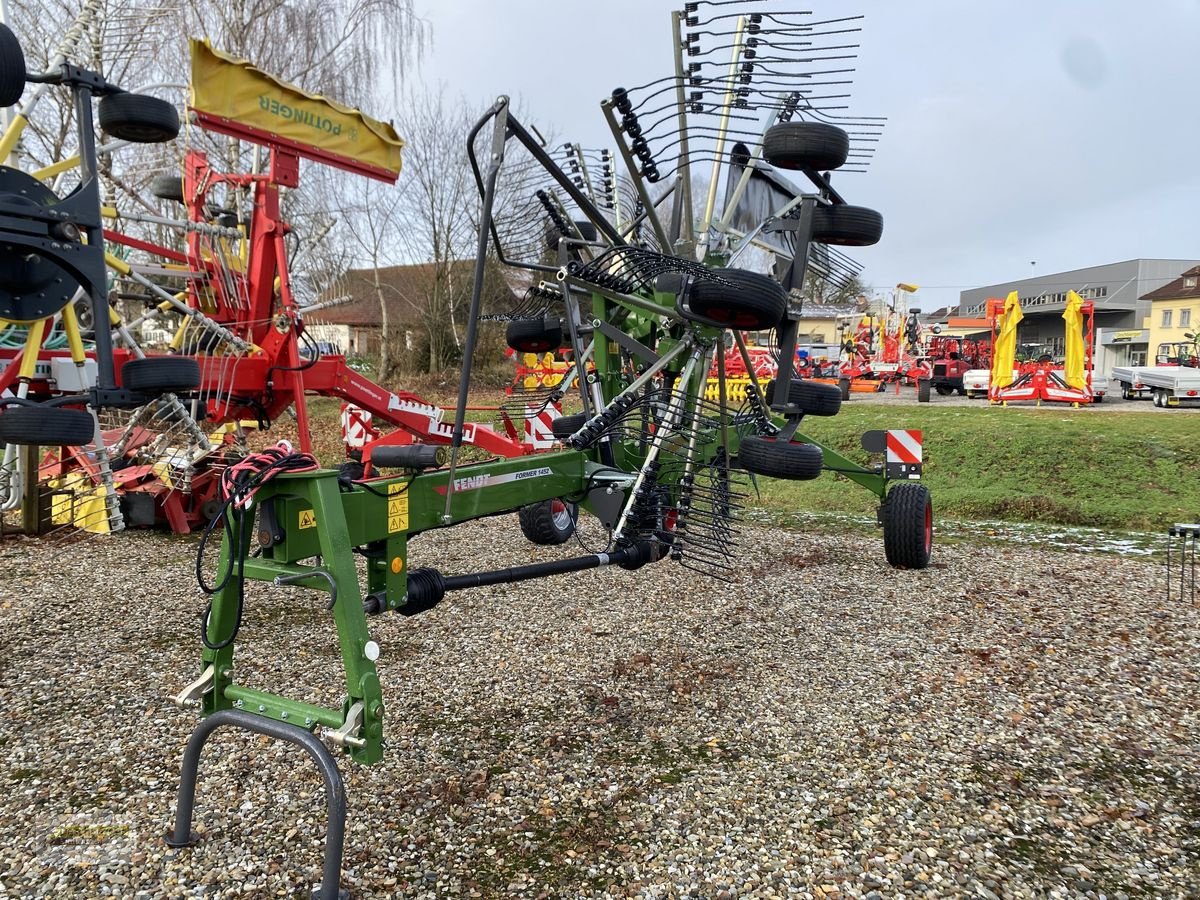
904	446
539	425
357	429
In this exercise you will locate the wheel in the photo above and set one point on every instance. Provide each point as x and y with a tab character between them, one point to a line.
806	145
751	302
1126	392
962	391
161	374
812	397
844	387
565	426
167	187
780	459
534	335
1097	398
32	285
923	390
907	516
1156	397
847	226
944	390
46	426
12	68
970	395
139	119
549	522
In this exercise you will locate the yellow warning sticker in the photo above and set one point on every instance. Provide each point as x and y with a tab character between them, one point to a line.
397	508
308	518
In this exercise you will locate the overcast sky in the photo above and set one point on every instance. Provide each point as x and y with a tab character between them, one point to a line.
1061	133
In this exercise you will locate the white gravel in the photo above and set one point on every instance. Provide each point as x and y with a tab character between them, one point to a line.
1009	723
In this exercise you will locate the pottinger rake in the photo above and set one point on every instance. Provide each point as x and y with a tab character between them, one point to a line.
52	255
231	288
664	469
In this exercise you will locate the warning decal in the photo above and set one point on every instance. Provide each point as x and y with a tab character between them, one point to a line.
308	518
397	508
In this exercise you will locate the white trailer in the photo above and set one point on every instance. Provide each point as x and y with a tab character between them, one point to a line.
1171	386
1128	380
1166	385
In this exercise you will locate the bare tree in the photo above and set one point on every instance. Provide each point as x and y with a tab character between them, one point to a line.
439	213
371	220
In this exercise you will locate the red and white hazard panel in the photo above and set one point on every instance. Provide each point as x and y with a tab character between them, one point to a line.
903	457
539	425
357	429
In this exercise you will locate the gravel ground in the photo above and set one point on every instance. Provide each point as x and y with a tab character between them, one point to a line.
1008	723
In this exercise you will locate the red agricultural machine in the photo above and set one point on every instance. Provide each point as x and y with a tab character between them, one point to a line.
230	288
949	359
1040	378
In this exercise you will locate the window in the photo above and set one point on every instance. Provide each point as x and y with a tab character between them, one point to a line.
1189	282
1166	318
1185	318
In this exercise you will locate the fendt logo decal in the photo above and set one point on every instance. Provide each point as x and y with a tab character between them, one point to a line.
475	482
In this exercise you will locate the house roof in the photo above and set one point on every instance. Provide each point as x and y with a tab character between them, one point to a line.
404	289
1175	290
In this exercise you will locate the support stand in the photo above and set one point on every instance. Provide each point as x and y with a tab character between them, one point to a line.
335	792
1182	539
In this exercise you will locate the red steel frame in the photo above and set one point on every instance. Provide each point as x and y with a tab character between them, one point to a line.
262	311
1042	381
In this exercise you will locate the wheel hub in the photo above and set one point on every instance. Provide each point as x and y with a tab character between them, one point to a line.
32	286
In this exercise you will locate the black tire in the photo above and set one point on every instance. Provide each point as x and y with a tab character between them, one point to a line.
806	145
167	187
46	426
565	426
161	374
1126	391
549	522
811	397
533	335
751	302
923	390
844	387
907	516
1097	398
780	459
12	68
847	226
139	119
944	390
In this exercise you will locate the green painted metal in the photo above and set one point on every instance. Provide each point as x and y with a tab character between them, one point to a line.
874	481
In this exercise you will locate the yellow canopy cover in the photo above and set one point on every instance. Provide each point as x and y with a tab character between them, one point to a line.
1073	366
1004	354
231	96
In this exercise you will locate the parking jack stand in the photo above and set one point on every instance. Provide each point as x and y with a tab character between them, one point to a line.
335	792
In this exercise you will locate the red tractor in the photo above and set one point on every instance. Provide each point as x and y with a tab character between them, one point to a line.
951	357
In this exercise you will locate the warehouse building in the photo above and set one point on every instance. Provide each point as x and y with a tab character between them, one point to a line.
1118	291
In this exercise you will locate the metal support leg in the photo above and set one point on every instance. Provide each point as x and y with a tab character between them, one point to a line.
335	791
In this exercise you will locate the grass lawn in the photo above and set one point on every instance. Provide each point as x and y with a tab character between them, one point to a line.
1126	470
1122	470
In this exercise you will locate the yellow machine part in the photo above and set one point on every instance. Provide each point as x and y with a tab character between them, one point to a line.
77	500
736	390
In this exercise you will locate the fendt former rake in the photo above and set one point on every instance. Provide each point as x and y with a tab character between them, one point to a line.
645	301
